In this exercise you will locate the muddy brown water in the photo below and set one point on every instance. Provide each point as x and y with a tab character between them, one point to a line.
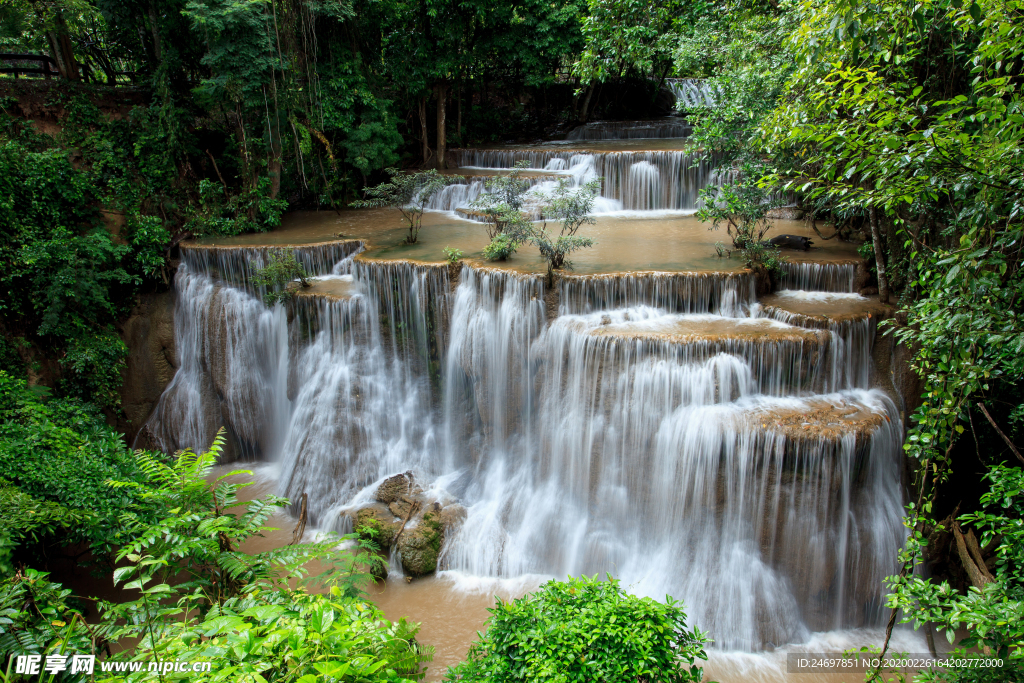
627	243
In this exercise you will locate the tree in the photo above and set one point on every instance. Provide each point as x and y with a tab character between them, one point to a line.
407	192
626	36
584	630
281	269
501	205
572	208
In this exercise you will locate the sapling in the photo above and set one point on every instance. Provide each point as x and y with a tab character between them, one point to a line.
407	192
572	208
282	267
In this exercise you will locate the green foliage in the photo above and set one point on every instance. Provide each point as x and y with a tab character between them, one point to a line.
38	616
763	255
200	596
584	630
357	117
502	205
453	256
407	192
993	616
197	535
290	637
59	453
572	208
281	269
628	34
742	205
62	272
501	247
218	213
30	521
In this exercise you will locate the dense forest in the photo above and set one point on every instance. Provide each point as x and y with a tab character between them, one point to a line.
902	122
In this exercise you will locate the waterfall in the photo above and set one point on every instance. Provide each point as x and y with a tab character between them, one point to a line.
641	180
721	293
662	427
692	93
822	277
643	186
684	467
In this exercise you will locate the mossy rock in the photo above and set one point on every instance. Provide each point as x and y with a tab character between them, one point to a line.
378	566
393	488
378	524
421	545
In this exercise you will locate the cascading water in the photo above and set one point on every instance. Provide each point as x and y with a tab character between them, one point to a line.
692	93
647	425
641	180
827	277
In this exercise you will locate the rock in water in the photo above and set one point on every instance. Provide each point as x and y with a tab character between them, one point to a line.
421	545
393	488
378	517
791	242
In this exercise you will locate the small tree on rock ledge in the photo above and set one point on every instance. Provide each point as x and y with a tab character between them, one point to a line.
572	208
407	192
282	267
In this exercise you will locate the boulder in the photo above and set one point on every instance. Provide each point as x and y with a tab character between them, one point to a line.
393	487
791	242
420	545
400	508
377	517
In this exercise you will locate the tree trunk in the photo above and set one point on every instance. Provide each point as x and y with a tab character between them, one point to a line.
586	103
977	576
275	165
423	127
156	35
876	237
458	115
63	52
442	130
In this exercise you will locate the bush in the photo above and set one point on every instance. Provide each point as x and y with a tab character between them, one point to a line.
572	208
584	630
289	636
282	267
61	452
501	247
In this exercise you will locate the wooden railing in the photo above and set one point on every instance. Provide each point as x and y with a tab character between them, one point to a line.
11	63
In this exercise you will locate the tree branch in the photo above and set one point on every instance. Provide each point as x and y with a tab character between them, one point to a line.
1000	432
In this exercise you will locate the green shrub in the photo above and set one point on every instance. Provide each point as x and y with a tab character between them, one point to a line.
285	636
282	268
407	192
584	630
61	451
501	247
452	255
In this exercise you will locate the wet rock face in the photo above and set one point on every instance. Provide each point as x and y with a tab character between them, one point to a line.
377	517
152	359
426	525
393	488
421	545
